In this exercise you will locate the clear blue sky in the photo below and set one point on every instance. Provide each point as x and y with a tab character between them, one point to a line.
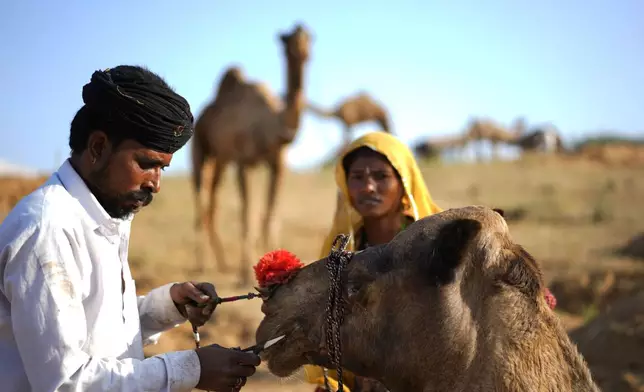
577	63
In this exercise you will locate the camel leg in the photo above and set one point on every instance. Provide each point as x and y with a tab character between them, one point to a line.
276	168
480	146
244	265
490	151
198	161
210	218
346	134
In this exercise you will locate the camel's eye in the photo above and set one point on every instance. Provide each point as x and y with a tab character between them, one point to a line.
353	289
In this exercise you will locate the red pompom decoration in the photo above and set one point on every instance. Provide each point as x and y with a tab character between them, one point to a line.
276	267
550	299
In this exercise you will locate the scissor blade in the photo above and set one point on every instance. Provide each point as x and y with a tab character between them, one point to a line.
273	341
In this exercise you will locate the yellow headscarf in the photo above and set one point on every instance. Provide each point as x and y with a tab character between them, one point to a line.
417	204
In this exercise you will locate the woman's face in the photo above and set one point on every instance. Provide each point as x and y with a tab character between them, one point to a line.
373	184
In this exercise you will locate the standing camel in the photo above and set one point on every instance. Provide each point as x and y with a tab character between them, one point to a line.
486	129
545	139
434	147
355	110
246	124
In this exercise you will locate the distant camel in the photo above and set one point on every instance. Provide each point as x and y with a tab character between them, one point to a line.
431	148
545	139
246	124
355	110
486	129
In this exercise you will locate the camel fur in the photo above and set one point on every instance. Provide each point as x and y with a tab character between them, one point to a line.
452	303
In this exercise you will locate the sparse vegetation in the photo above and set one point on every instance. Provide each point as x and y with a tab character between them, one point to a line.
605	138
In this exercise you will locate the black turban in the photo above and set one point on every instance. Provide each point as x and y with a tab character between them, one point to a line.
136	104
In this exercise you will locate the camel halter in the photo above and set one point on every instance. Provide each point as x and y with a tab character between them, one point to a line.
334	313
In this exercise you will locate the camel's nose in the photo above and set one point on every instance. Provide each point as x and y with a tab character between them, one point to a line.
264	307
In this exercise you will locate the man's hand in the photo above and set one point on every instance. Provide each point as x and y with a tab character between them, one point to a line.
184	295
224	369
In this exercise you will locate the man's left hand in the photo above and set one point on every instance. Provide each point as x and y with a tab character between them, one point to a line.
185	295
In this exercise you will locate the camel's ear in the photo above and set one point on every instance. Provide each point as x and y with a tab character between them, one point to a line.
499	211
449	248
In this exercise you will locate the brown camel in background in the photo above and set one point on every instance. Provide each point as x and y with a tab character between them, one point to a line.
480	129
433	147
247	124
545	139
355	110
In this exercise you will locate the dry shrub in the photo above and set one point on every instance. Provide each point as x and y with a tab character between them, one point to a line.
13	188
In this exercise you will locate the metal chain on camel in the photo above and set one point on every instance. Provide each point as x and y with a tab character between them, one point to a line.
336	262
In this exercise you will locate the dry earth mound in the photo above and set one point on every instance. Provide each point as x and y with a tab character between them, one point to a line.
614	154
634	248
613	345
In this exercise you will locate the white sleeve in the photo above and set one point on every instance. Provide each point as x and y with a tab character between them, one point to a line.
158	313
42	283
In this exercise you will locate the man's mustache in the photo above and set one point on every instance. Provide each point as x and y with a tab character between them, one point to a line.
143	196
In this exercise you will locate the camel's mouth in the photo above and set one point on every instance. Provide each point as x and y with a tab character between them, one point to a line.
289	354
267	331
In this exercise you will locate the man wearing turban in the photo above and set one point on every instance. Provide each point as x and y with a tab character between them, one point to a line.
70	319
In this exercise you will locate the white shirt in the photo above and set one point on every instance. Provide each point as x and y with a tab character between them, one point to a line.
65	323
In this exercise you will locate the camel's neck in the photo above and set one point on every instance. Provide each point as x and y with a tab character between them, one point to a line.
527	353
436	361
517	130
294	97
503	352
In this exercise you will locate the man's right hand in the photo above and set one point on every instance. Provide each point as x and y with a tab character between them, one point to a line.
224	369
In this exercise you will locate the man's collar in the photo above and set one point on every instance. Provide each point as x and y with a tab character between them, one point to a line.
76	187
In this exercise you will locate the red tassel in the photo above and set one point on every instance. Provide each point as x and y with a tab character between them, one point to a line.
276	267
550	299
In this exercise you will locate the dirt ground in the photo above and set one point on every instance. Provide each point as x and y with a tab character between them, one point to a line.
576	217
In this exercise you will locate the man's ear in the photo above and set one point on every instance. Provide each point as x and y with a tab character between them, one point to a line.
98	146
449	248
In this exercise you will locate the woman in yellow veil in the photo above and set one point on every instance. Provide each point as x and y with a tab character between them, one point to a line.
380	191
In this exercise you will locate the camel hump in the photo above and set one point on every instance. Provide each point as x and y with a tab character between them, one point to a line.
232	78
260	92
235	87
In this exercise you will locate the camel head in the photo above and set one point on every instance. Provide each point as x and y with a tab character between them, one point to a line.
297	44
419	308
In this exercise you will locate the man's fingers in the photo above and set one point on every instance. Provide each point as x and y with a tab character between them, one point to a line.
207	310
246	371
238	371
231	382
192	292
207	288
243	358
195	317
